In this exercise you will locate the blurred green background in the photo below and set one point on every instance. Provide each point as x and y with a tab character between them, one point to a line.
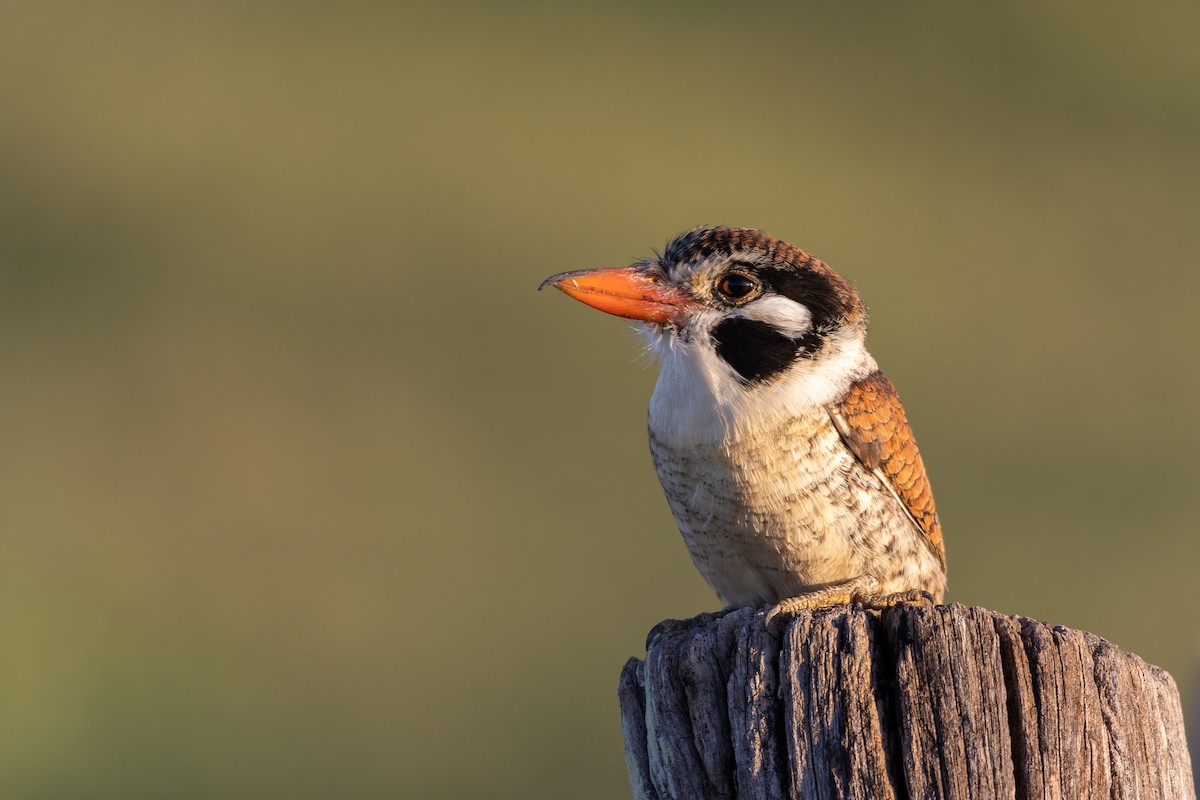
306	492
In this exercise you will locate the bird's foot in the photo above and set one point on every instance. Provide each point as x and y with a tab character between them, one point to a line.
671	625
854	590
915	596
863	590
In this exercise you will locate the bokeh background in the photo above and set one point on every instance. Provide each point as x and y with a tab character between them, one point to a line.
306	492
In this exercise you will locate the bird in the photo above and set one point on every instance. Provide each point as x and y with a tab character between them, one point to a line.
784	452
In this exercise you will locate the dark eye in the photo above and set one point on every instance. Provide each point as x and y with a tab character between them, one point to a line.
735	285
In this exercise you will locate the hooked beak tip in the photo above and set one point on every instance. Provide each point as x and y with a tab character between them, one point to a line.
557	281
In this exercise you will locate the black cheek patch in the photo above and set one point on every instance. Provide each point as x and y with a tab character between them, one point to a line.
757	351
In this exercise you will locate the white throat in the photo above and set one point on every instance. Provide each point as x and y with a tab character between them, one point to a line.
700	400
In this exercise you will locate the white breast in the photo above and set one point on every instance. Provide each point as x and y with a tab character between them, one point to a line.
770	501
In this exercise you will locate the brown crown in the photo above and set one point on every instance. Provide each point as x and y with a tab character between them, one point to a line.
839	296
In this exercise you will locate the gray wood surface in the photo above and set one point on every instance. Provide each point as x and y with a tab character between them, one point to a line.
913	702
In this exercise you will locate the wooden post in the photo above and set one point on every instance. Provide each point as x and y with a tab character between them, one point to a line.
913	702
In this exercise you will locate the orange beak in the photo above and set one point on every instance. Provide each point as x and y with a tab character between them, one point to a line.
626	292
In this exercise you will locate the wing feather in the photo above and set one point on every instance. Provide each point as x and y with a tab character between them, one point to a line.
873	425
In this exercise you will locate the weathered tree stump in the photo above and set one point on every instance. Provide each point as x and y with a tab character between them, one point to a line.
913	702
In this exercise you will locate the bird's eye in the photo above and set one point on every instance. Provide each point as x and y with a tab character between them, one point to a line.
736	286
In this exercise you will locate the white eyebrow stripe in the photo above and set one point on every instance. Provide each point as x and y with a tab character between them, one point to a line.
785	315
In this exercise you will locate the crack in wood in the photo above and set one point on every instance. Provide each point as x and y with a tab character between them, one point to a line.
912	702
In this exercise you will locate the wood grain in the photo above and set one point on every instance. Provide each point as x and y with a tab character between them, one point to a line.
912	702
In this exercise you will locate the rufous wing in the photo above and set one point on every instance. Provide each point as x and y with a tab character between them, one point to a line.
873	425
